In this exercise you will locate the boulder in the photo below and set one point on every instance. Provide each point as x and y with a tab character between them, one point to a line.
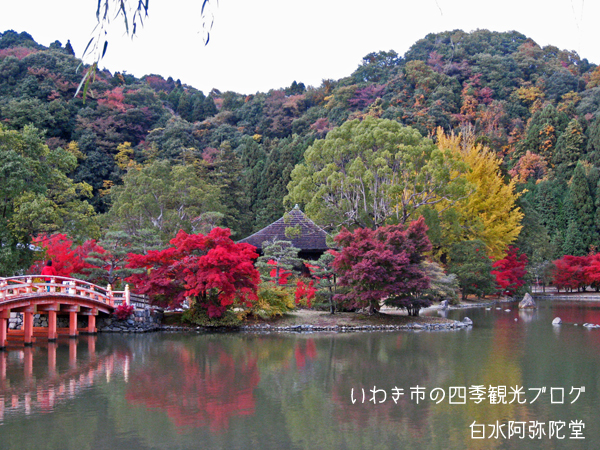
467	321
557	321
527	302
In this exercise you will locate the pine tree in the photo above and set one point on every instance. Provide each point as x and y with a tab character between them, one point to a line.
283	254
108	263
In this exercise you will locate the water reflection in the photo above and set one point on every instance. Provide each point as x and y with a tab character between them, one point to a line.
294	390
198	386
34	379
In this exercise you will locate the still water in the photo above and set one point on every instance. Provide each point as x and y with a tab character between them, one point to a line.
304	391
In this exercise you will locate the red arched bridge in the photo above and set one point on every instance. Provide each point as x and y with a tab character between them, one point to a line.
31	295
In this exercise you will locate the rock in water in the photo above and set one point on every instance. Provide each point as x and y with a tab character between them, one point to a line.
557	321
467	321
527	302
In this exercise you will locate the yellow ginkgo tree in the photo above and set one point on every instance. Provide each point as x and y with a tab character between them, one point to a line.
490	212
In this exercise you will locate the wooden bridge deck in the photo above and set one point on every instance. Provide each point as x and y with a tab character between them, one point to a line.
32	294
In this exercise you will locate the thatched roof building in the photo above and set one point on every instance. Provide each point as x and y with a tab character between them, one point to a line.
308	237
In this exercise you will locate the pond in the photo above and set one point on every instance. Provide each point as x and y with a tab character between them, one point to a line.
513	381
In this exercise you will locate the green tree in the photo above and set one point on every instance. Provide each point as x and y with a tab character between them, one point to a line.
285	257
366	173
470	263
162	197
323	271
593	143
224	171
107	265
569	149
581	231
283	155
37	196
542	133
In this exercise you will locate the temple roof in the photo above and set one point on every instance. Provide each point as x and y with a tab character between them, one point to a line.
311	237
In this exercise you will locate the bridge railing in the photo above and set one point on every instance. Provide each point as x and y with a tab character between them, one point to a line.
12	287
138	301
32	285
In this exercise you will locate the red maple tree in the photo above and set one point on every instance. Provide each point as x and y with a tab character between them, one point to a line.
67	259
510	272
212	269
592	270
382	263
570	272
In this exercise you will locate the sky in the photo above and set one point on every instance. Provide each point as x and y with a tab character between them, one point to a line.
258	45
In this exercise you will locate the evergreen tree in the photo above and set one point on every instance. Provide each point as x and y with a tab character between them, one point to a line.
542	133
252	157
549	199
225	171
325	274
69	48
593	142
569	148
107	264
285	257
581	231
283	156
473	268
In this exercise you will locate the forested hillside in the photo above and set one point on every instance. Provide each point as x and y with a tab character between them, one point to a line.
152	156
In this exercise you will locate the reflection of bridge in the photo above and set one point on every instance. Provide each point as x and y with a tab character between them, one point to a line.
42	390
31	295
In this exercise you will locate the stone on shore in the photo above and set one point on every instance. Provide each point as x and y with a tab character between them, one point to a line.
527	302
557	321
467	321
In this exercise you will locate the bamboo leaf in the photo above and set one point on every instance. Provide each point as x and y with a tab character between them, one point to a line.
88	46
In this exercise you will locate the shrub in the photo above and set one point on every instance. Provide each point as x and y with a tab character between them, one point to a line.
123	311
272	301
199	316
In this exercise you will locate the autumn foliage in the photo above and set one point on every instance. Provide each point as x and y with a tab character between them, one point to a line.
576	272
304	292
510	272
381	263
122	312
211	269
67	259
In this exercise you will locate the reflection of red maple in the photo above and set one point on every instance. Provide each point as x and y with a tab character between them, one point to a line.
198	393
302	351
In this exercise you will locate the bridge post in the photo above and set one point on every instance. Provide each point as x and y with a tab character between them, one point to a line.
4	315
127	295
92	321
52	335
73	324
28	325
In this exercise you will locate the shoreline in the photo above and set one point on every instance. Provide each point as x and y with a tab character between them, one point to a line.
311	321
